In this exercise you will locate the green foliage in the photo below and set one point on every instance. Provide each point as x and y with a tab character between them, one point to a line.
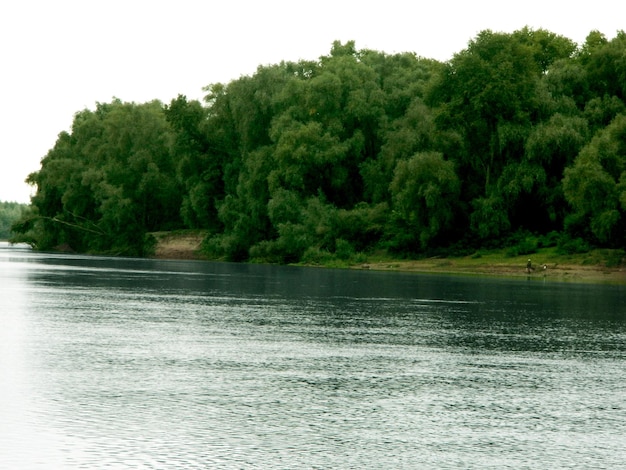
424	191
489	219
490	92
199	163
10	213
614	258
102	187
594	185
343	249
554	143
548	240
356	152
568	245
364	225
605	64
522	244
316	256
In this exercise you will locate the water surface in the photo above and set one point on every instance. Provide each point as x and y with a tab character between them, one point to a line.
118	363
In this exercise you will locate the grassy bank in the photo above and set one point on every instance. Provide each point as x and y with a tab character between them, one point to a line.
594	266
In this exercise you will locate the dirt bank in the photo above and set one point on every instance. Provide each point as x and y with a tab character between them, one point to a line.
178	245
186	245
559	272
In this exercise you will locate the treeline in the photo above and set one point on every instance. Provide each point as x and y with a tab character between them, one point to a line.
10	212
518	135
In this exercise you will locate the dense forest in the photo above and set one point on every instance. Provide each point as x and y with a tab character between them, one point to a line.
519	138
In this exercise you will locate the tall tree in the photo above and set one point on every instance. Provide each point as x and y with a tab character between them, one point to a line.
489	91
605	64
108	182
425	190
595	186
199	163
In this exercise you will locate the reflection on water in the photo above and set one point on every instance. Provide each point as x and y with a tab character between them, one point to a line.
123	363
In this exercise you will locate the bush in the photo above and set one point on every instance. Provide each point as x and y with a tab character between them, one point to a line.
570	246
363	226
549	240
267	251
316	256
525	246
149	244
343	249
225	246
615	258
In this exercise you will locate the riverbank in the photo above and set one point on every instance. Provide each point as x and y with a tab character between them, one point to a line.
514	267
178	245
607	266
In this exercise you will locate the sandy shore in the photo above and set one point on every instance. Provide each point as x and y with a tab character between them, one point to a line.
178	246
187	245
559	272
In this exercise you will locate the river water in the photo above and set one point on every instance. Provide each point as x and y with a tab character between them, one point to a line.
127	363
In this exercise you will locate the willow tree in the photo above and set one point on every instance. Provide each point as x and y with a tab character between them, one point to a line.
425	191
492	94
595	186
488	92
108	182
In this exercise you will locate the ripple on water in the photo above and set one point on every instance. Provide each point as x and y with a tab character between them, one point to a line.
409	373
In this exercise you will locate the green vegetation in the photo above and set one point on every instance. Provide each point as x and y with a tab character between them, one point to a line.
10	212
518	141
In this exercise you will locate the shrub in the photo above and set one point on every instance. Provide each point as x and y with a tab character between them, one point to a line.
524	247
316	256
343	249
549	240
615	258
570	246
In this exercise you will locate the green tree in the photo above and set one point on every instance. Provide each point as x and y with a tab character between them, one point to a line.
10	212
489	218
199	163
414	132
600	111
547	47
330	123
568	85
108	182
490	93
300	225
354	151
594	184
424	191
605	64
532	188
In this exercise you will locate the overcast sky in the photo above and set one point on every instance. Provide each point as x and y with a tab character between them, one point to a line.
59	57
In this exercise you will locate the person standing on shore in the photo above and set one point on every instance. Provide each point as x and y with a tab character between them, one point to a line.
529	266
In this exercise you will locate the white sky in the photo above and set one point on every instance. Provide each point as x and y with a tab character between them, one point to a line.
58	57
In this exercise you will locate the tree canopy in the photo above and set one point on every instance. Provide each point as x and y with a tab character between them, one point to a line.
358	150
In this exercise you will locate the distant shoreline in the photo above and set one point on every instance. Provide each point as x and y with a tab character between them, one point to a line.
187	246
560	272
